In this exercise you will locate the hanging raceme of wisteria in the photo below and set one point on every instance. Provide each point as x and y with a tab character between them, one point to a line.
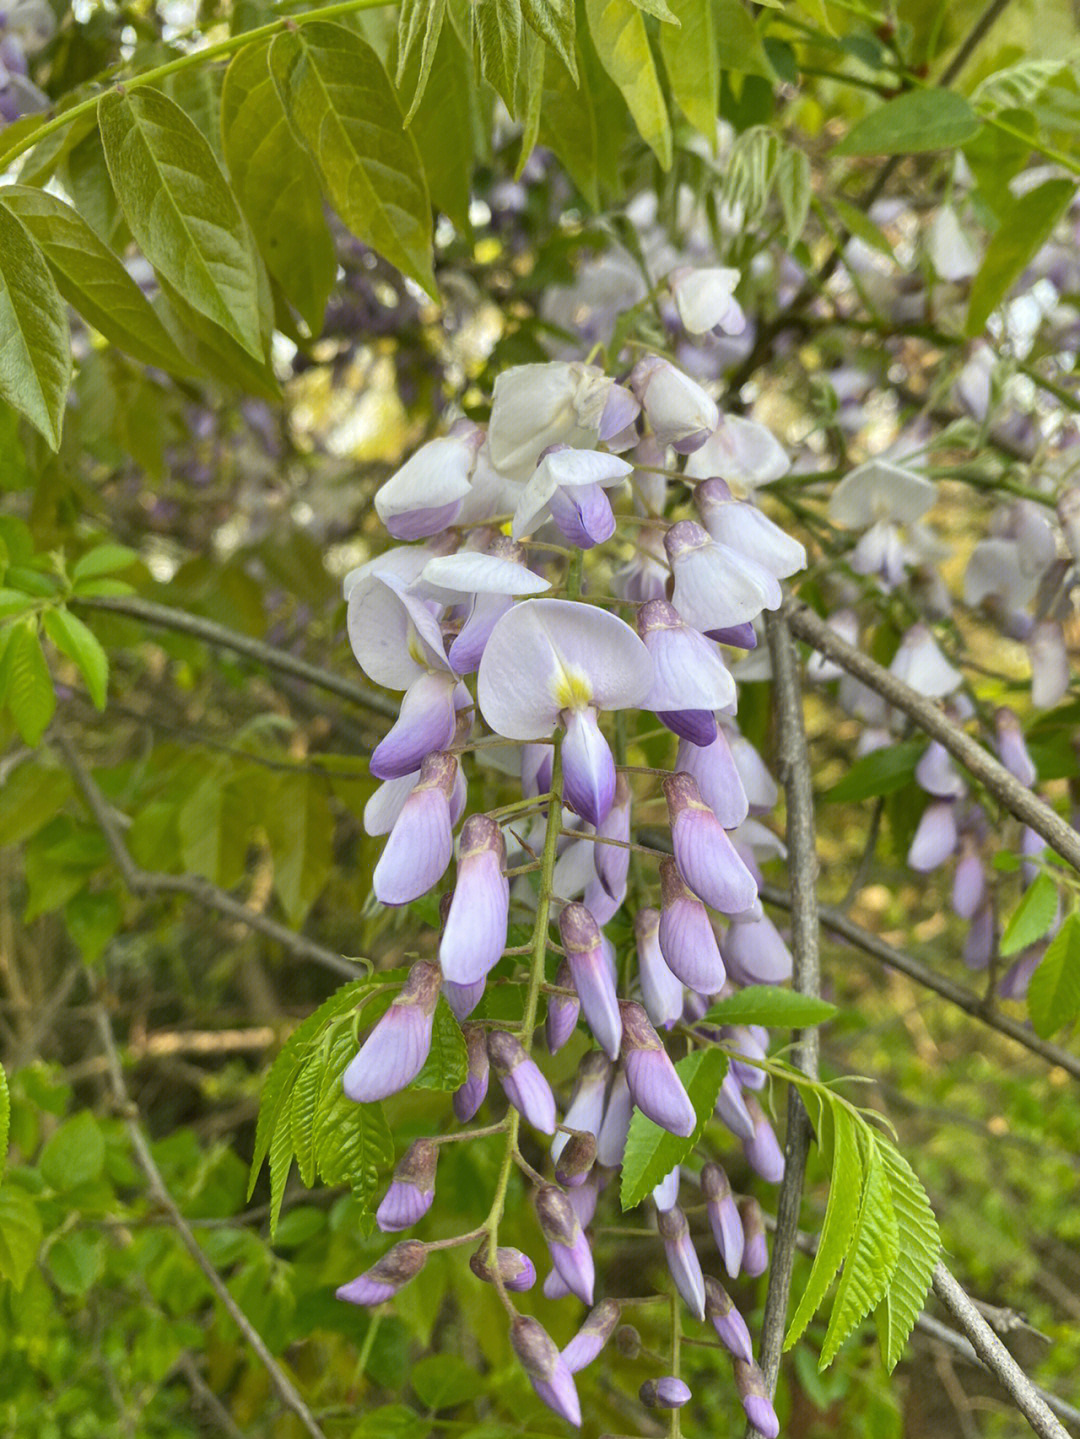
555	574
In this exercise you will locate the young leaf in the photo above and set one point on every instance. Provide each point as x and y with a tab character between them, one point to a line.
739	46
919	120
447	126
1025	227
498	28
651	1152
181	211
281	1158
530	93
92	279
353	1143
303	1106
20	1233
76	640
103	559
1054	991
768	1005
1032	917
840	1140
872	1258
568	127
300	827
795	188
919	1248
28	690
342	103
556	22
622	43
658	8
692	61
418	18
878	773
447	1064
277	186
35	353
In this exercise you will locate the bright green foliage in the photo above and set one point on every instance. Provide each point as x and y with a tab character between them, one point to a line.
622	43
773	1007
918	121
35	358
1025	225
1054	992
1032	917
651	1152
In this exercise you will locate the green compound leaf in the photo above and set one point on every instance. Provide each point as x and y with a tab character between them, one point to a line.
277	185
875	1246
93	280
919	1249
1032	917
341	102
76	640
35	345
915	122
181	210
1026	224
882	772
353	1142
651	1152
568	126
300	828
765	1004
622	43
1054	991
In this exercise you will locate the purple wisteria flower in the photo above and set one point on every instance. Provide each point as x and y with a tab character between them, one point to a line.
665	1195
716	587
611	1141
412	1189
474	936
666	1393
706	858
678	409
592	976
427	493
536	406
592	1336
723	1215
471	1095
661	990
397	1048
548	1371
566	1241
690	679
731	1108
383	1280
612	860
586	1111
682	1260
763	1152
569	486
515	1269
523	1083
576	1159
651	1077
717	775
754	1396
485	586
562	1012
729	1324
555	663
685	934
421	843
755	1246
747	530
755	951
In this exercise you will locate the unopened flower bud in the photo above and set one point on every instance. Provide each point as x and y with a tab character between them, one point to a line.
750	1382
397	1048
755	1248
763	1152
705	856
562	1011
717	775
412	1189
516	1270
665	1393
593	980
523	1084
661	990
682	1259
475	933
665	1195
755	951
654	1084
383	1280
613	860
565	1238
935	837
731	1108
723	1216
628	1341
463	998
592	1336
678	409
686	936
469	1098
729	1324
576	1160
1011	747
547	1369
611	1141
586	1111
421	842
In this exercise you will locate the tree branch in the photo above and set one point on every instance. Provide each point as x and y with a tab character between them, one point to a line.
965	999
803	864
211	633
288	1393
148	882
930	717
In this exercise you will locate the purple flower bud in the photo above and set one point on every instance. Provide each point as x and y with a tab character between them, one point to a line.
586	1109
580	935
937	774
547	1369
613	860
525	1087
979	941
592	1336
475	933
685	934
588	766
583	1198
425	723
628	1341
611	1141
661	991
516	1270
576	1160
565	1239
654	1084
555	1286
729	1324
731	1108
678	409
763	1153
427	492
748	530
463	998
689	674
397	1048
755	952
705	857
935	837
714	769
665	1195
413	1188
753	1045
969	881
716	588
682	1259
1011	747
471	1095
583	514
620	410
383	1280
562	1012
755	1247
421	842
1015	981
750	1382
665	1393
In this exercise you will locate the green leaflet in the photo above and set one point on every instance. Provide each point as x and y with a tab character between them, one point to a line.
93	280
35	355
622	43
25	682
568	127
447	1064
651	1152
914	122
530	93
447	126
692	61
341	102
182	212
739	44
919	1246
5	1119
879	773
300	828
20	1233
1054	991
277	186
1026	224
872	1259
76	640
417	19
773	1007
497	26
1032	917
555	21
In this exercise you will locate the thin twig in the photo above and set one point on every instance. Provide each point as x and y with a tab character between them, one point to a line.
288	1393
798	788
207	1398
996	1357
930	717
965	999
211	633
148	882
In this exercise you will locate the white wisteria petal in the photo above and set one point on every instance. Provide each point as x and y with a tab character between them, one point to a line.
491	493
952	254
450	577
921	664
536	406
564	469
715	586
393	634
878	490
430	483
680	412
402	562
689	671
706	299
742	452
995	571
745	528
546	656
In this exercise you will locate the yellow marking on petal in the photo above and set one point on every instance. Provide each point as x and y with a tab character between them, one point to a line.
416	647
572	688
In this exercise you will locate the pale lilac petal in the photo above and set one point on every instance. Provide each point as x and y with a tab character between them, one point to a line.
536	406
421	843
584	515
717	775
742	452
586	1111
590	1339
705	299
682	1260
474	572
592	976
761	789
611	1141
745	528
523	1083
937	775
731	1108
755	952
935	837
412	1189
467	648
474	936
1011	747
668	1392
384	806
463	998
724	1218
969	884
560	1023
425	495
729	1324
1050	668
665	1195
588	767
750	1383
689	672
426	723
716	587
621	409
678	409
920	663
878	490
705	857
471	1095
394	637
661	990
979	941
612	861
755	1246
397	1048
566	470
763	1152
546	1368
654	1083
685	934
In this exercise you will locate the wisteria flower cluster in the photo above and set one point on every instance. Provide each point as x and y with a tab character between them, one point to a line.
507	651
26	26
